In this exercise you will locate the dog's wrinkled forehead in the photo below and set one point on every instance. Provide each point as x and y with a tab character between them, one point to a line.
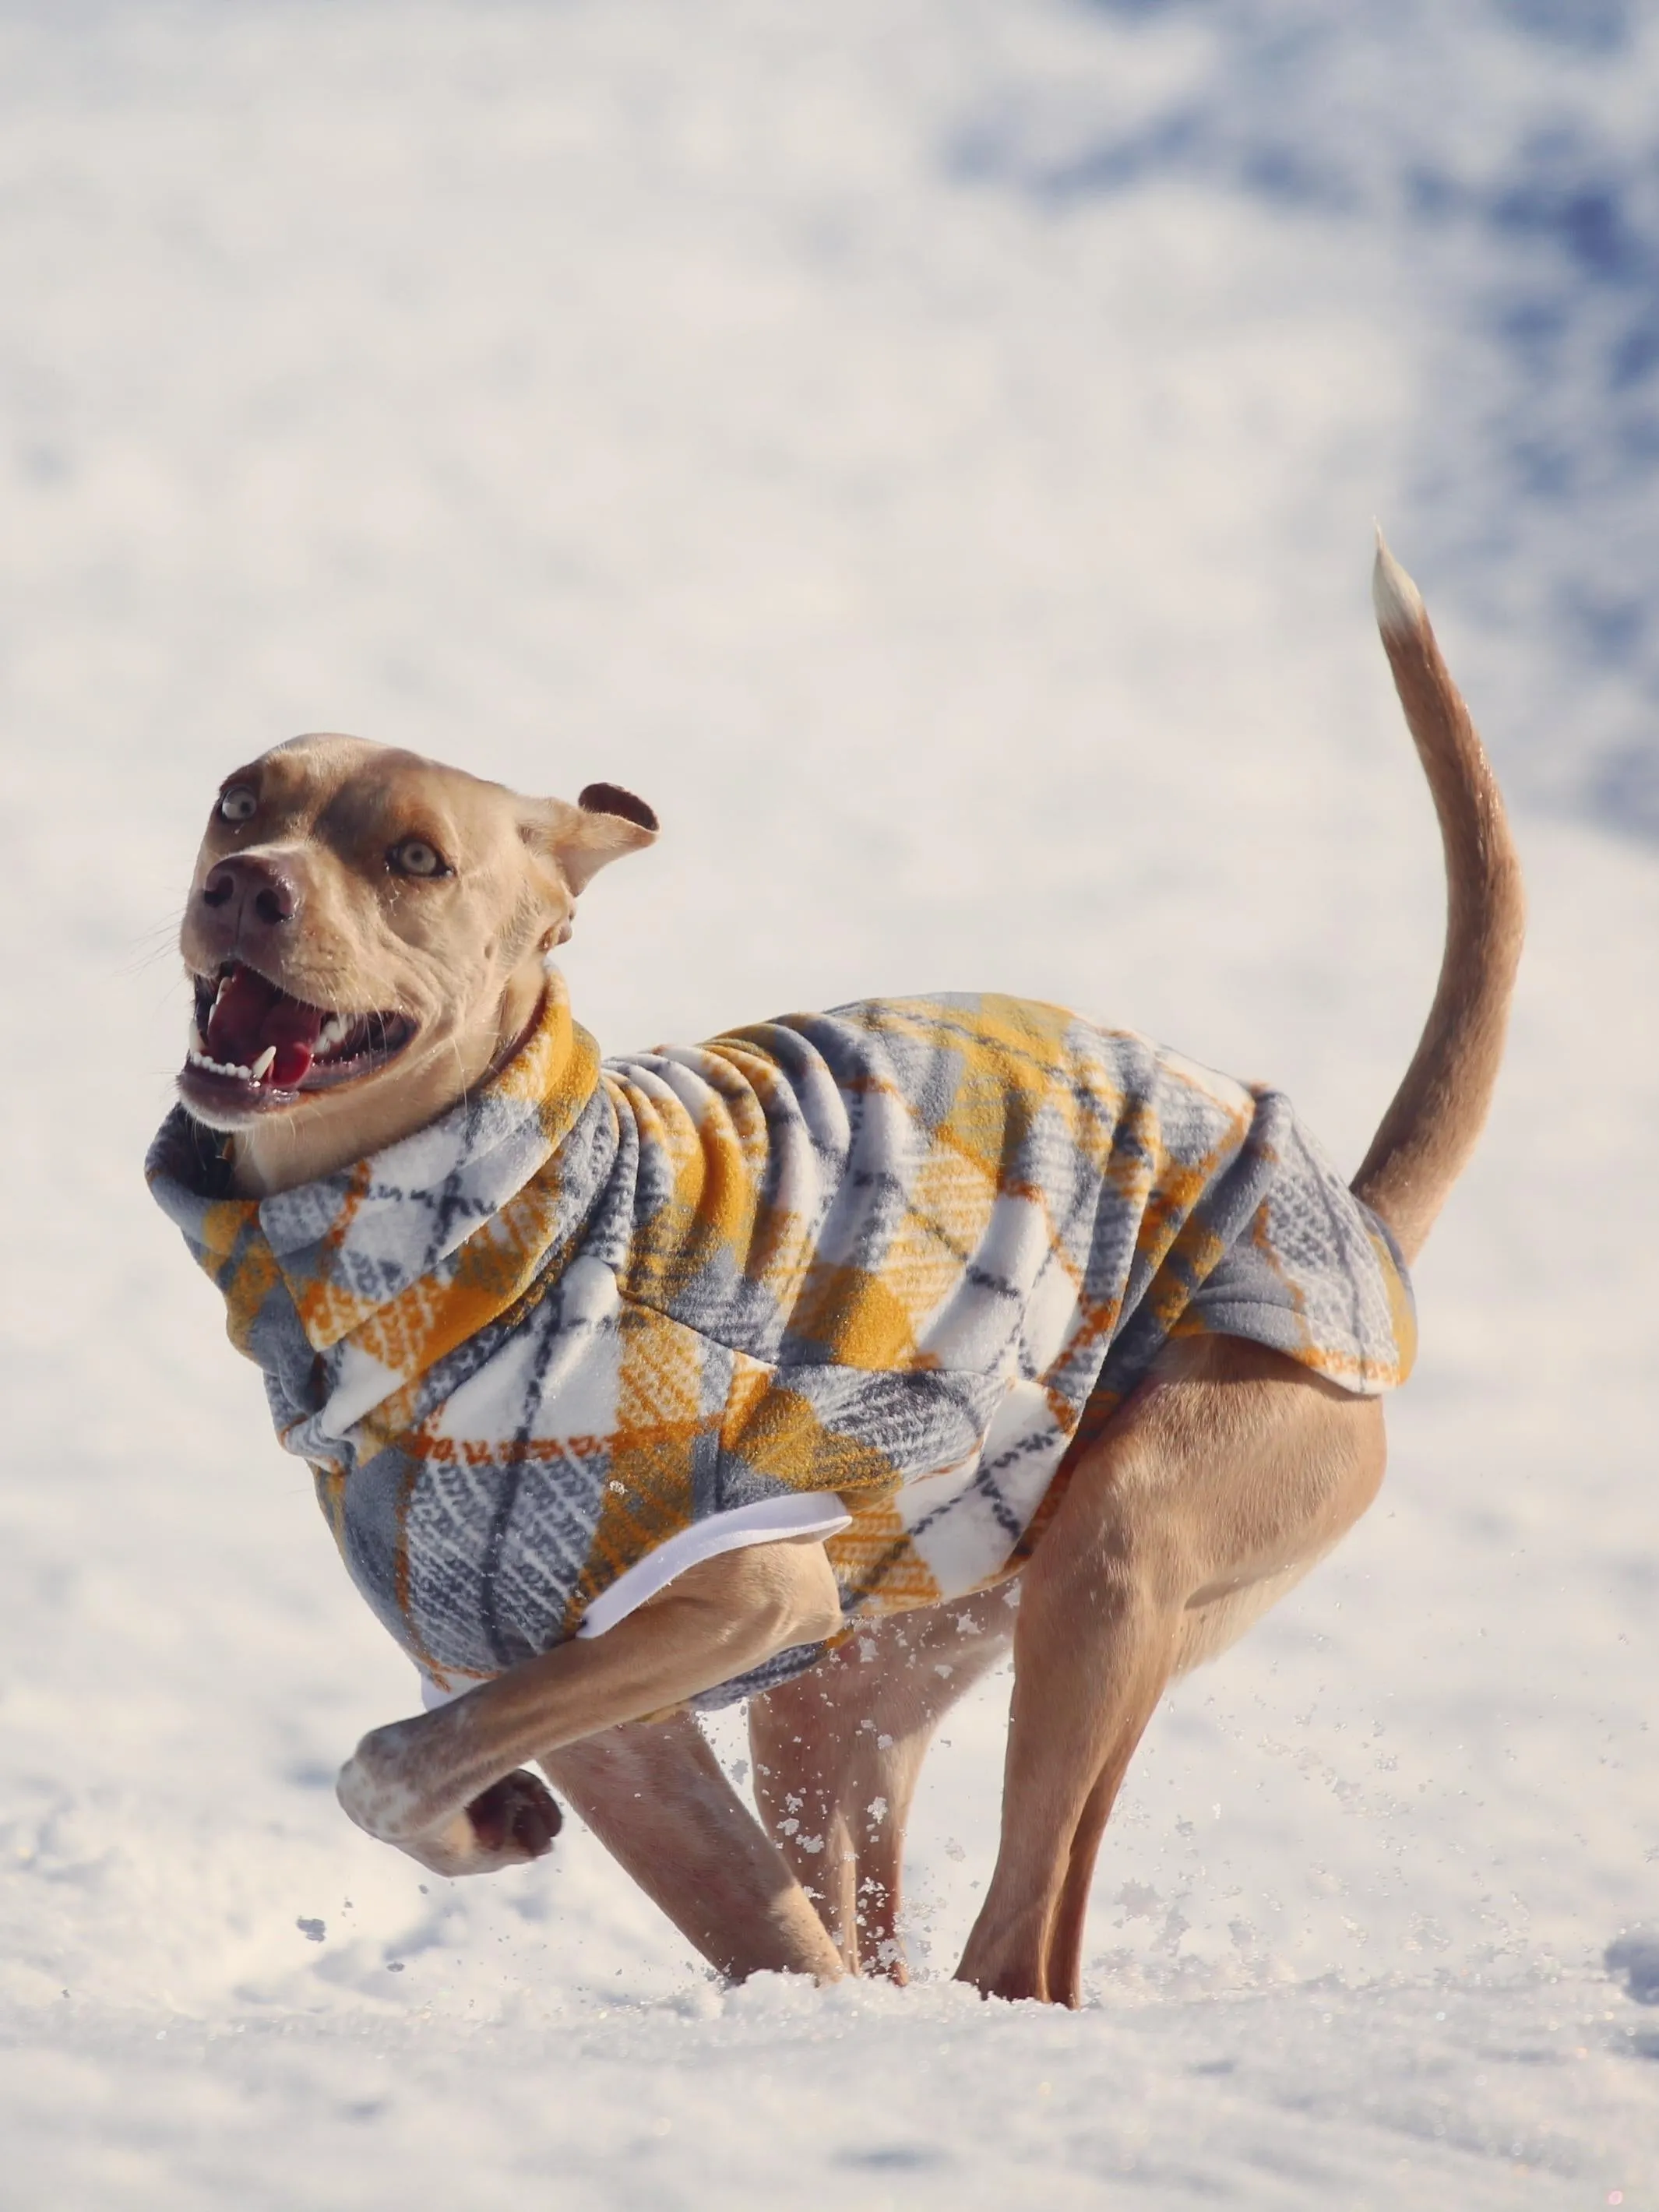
346	790
356	797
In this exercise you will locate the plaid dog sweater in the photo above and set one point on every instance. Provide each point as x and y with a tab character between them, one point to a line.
871	1274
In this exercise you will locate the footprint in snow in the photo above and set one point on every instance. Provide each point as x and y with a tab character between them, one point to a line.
1635	1955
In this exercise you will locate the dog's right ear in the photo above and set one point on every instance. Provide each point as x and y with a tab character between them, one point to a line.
605	822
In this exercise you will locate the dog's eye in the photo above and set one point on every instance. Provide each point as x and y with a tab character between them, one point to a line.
415	857
240	803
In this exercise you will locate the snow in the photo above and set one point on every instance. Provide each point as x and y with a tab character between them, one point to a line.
930	450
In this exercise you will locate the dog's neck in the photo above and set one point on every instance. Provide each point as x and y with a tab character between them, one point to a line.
287	1150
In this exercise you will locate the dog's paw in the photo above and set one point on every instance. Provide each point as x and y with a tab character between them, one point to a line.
516	1818
509	1824
398	1787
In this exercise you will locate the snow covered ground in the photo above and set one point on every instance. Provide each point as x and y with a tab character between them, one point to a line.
928	447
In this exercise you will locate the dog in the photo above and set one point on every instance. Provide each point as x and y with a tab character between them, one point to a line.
818	1365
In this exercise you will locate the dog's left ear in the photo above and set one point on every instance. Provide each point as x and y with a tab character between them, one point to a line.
605	822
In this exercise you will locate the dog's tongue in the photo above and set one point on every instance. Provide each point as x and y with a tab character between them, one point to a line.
251	1014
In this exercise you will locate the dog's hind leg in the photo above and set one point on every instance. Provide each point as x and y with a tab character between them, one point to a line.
1232	1467
657	1798
1204	1629
838	1751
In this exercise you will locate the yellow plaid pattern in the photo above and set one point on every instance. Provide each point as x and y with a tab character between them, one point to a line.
908	1251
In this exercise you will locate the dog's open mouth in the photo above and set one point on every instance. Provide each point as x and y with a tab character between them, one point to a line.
257	1039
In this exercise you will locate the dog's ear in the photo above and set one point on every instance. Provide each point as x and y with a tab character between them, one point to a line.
605	822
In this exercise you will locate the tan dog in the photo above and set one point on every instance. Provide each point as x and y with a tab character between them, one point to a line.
377	926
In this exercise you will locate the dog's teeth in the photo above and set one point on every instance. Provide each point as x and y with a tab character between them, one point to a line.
224	985
262	1066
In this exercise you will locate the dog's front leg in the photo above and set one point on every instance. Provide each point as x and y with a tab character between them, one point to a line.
659	1799
838	1751
445	1787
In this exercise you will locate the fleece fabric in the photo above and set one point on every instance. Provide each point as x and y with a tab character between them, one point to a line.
878	1269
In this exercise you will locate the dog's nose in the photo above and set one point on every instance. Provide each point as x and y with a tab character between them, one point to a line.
261	888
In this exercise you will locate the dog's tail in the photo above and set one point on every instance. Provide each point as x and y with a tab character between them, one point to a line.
1430	1129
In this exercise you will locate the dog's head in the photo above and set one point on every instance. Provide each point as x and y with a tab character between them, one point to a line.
365	932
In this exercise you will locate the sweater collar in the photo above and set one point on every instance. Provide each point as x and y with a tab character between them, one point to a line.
349	1242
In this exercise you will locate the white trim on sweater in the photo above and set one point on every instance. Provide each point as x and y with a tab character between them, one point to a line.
769	1521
